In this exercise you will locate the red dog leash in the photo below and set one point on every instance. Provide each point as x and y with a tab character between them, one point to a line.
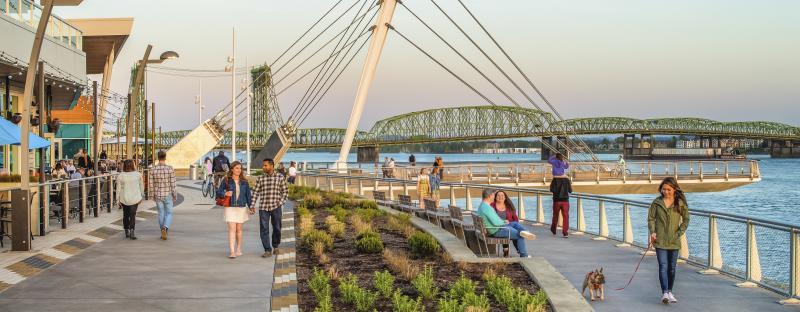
637	267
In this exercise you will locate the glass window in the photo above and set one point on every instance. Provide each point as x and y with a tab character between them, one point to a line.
25	12
13	9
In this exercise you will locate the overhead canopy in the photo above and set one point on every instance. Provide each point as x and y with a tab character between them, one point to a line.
101	37
10	134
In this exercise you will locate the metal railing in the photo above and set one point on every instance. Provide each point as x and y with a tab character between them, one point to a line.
497	172
762	253
29	13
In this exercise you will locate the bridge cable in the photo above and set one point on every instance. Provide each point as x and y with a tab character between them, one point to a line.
530	82
441	65
306	32
313	87
503	72
316	37
303	117
318	88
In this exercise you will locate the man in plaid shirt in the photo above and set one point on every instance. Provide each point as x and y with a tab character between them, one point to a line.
161	186
272	191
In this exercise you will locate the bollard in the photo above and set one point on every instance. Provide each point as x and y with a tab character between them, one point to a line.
603	227
360	187
753	269
714	251
521	209
452	195
391	190
627	230
539	209
581	226
469	198
794	270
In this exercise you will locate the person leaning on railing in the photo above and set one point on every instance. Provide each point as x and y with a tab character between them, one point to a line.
667	220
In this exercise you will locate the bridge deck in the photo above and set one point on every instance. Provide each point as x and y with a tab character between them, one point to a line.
577	255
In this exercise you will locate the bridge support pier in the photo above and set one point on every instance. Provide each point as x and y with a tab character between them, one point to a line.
784	149
554	142
368	154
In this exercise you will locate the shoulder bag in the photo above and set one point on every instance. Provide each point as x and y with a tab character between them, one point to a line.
224	201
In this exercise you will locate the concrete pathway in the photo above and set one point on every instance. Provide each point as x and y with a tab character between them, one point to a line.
579	254
188	272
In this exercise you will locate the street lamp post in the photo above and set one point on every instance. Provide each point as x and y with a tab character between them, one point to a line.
137	83
232	69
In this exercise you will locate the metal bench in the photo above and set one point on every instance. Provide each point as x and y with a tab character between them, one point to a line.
434	214
457	218
380	198
483	236
407	205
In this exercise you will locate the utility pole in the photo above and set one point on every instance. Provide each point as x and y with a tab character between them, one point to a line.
233	96
153	132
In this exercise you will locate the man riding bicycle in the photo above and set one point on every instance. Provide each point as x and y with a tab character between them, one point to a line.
220	166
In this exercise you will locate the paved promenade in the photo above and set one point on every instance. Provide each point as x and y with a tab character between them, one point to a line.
579	254
188	272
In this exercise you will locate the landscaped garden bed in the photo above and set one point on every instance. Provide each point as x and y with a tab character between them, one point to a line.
354	257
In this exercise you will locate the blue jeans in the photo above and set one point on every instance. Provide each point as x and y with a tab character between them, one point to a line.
164	212
667	260
513	228
267	218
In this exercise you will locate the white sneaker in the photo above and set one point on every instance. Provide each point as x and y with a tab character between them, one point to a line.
527	235
665	298
672	298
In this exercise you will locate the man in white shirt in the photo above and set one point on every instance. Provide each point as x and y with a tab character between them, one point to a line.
292	172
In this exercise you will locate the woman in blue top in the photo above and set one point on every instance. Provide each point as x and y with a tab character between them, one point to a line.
561	187
236	187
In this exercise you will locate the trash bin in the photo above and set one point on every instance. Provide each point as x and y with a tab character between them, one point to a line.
192	172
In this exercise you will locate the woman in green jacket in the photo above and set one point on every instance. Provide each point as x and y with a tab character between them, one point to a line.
667	220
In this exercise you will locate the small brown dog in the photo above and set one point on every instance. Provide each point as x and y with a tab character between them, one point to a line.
595	281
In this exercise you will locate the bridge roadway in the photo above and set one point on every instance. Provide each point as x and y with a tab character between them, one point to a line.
190	272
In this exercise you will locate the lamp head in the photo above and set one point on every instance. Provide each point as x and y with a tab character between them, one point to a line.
168	55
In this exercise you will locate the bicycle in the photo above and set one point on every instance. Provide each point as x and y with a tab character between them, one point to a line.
618	170
208	185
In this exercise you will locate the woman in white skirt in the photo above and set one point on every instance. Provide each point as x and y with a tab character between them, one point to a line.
236	187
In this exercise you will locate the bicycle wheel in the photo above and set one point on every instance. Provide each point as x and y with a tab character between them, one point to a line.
205	188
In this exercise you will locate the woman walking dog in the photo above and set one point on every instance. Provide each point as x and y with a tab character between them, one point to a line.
667	221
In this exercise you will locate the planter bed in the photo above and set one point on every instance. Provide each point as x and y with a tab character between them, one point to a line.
342	259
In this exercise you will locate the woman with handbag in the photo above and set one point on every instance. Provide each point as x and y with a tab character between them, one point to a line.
234	194
130	188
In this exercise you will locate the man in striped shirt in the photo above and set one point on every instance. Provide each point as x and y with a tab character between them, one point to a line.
161	186
268	196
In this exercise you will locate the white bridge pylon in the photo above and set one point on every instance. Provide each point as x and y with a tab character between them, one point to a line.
194	145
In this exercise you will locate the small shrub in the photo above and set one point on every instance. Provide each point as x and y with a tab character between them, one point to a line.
333	272
461	287
368	214
449	305
473	302
514	299
348	286
409	230
359	225
320	284
305	224
324	305
363	300
425	285
398	222
367	233
314	235
368	204
369	244
384	283
403	303
312	201
423	245
302	211
339	212
400	264
319	248
336	229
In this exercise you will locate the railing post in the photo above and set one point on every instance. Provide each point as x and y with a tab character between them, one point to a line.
714	251
794	269
82	194
683	252
45	210
627	230
649	172
98	199
360	187
726	171
521	206
753	268
405	188
330	184
391	190
452	195
539	209
65	205
111	190
581	226
597	173
676	170
469	198
700	164
489	175
346	184
316	182
603	226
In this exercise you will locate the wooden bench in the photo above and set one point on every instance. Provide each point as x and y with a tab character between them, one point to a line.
486	238
380	198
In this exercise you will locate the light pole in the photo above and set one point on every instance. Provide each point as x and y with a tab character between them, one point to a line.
249	95
199	101
232	68
138	82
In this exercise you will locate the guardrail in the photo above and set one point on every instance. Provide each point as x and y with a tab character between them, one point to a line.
28	13
717	242
579	171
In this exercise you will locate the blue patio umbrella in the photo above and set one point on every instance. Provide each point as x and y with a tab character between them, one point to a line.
10	135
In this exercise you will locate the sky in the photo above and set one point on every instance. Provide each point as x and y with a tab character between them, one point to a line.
723	60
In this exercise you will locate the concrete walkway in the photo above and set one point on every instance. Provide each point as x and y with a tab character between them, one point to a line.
188	272
579	254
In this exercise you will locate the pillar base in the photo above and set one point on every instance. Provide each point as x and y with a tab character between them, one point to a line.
599	238
578	233
621	245
746	285
790	301
709	272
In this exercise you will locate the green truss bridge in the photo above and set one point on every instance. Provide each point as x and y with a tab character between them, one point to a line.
499	122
